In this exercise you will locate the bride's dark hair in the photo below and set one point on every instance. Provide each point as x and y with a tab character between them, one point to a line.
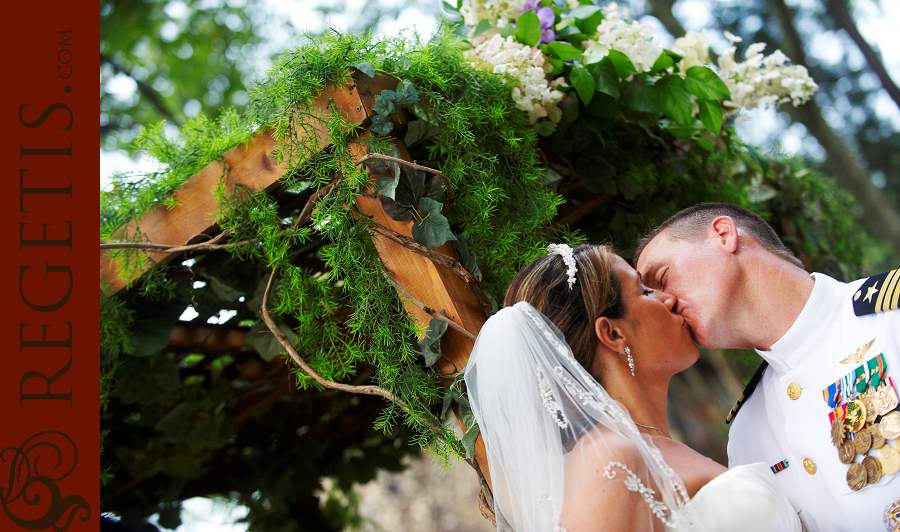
596	293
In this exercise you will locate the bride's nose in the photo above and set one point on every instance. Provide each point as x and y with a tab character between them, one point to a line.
668	299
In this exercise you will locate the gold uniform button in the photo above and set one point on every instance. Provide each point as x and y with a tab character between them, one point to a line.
810	466
794	391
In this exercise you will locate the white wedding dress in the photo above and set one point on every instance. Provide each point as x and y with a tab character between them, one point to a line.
746	498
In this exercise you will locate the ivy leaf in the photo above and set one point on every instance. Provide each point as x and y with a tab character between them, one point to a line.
264	342
468	440
387	185
222	290
706	84
452	392
406	93
711	115
380	166
529	32
482	27
411	187
563	50
466	257
385	103
675	100
416	130
150	334
430	344
624	66
584	83
434	229
365	68
606	77
603	106
381	125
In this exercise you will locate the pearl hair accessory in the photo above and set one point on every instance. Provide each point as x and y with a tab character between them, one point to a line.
565	251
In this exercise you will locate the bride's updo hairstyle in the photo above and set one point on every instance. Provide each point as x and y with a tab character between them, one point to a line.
596	293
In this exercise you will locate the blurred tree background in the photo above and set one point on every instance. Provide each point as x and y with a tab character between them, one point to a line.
204	410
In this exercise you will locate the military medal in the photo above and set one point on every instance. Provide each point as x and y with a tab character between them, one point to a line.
863	441
877	436
873	469
885	398
837	431
846	453
857	477
871	406
890	426
890	460
855	416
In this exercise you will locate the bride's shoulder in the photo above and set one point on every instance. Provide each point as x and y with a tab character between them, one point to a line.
601	446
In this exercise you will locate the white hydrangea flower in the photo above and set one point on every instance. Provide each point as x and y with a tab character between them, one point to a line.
694	48
526	68
634	39
762	81
499	12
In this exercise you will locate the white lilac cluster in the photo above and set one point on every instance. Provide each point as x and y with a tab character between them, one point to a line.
761	81
499	12
527	69
694	49
634	39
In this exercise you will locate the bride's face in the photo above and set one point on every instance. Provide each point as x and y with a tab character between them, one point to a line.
654	331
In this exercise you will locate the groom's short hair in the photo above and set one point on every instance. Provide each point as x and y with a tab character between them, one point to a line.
690	225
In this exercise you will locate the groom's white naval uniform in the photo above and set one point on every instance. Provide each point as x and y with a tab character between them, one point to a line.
787	416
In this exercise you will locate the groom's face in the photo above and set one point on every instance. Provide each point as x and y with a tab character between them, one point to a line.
692	272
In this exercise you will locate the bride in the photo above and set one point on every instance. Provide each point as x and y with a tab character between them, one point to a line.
568	384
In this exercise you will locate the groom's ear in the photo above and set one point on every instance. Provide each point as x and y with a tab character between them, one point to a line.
724	232
609	334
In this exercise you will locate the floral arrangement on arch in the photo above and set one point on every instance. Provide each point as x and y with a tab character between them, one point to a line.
550	48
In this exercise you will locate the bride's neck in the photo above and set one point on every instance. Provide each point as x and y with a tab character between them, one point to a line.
644	397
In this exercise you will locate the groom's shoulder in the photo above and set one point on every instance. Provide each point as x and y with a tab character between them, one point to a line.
878	293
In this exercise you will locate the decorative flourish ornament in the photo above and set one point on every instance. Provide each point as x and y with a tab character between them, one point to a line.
630	360
565	251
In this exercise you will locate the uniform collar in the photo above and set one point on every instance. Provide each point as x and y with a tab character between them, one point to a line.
813	323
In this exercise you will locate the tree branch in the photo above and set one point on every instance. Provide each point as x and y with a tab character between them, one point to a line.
882	221
171	248
282	339
444	260
840	12
431	312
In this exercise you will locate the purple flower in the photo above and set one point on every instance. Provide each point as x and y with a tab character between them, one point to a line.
547	18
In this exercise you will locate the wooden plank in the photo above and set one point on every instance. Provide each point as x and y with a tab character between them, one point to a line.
433	285
251	164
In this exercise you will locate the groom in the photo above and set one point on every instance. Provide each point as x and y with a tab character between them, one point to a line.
824	415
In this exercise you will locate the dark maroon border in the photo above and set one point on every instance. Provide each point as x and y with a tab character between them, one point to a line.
55	118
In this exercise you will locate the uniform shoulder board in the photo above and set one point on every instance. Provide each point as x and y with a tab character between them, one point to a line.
879	293
748	391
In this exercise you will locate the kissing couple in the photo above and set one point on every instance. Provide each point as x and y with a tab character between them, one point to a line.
569	382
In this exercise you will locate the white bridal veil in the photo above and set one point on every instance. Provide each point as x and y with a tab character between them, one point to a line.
536	406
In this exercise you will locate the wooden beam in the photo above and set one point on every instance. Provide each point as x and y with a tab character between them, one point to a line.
433	285
251	164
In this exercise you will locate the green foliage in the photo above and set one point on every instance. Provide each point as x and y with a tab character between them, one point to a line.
330	296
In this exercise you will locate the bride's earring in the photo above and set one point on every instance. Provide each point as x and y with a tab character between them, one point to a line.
630	360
